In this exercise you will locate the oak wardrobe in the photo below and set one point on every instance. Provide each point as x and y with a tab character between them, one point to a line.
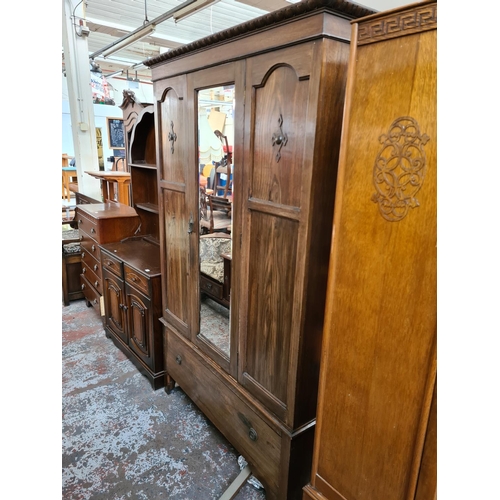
376	430
274	87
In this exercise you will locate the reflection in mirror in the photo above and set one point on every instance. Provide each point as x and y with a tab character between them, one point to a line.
215	141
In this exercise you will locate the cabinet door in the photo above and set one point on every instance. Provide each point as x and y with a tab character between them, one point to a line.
176	220
279	127
139	313
115	305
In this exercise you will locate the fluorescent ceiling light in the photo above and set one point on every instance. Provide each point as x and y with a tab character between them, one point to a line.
116	73
129	40
192	9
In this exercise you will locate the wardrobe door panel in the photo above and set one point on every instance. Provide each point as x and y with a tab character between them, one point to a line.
176	258
276	178
176	221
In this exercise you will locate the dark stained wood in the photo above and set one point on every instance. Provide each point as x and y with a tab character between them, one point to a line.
375	437
101	223
289	73
132	294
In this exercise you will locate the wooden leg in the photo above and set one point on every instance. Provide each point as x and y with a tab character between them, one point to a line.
237	484
169	383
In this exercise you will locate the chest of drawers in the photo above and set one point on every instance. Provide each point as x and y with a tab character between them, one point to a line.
101	223
131	281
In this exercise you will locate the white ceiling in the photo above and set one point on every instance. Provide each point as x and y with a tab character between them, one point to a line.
109	20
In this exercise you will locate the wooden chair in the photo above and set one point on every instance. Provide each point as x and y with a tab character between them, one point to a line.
215	213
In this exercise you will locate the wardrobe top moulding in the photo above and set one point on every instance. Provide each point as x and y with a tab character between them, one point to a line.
245	39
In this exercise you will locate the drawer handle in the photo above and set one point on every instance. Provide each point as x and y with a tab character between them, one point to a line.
93	248
80	221
252	433
92	230
208	286
178	359
96	284
84	270
83	287
134	279
123	306
95	267
95	301
83	255
109	263
81	238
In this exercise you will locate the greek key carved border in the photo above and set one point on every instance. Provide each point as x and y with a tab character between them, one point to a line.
398	24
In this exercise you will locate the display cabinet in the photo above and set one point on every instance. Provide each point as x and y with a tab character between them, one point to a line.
376	430
274	87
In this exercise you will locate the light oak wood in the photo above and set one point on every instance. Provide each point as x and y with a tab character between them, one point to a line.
376	431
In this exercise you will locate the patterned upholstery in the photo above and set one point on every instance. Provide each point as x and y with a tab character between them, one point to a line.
211	246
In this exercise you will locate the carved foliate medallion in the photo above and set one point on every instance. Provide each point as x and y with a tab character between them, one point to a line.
399	169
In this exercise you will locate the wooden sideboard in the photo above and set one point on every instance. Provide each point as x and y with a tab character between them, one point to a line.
376	426
98	224
132	297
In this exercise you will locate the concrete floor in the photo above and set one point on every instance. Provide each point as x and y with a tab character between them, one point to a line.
123	440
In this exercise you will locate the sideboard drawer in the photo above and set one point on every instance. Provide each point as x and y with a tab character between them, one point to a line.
136	279
112	263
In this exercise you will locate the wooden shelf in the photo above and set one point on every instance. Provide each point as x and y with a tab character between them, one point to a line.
151	166
149	207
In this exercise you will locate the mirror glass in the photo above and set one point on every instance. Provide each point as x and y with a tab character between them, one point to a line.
215	145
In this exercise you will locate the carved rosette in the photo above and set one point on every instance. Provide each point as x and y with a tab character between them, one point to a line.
399	169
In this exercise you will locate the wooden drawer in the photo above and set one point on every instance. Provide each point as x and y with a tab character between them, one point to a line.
250	435
112	263
90	261
136	279
90	245
91	294
211	287
88	225
92	277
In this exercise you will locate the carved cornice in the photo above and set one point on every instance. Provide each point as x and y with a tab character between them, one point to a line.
397	24
342	8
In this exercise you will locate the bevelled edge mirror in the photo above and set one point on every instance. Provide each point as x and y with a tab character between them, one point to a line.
215	185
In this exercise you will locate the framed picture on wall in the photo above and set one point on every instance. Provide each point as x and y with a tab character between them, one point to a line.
116	133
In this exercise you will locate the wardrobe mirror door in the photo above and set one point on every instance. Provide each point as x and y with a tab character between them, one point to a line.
215	163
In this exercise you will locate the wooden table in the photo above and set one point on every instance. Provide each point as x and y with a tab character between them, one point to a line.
109	181
67	174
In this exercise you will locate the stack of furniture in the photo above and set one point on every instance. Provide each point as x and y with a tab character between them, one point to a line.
376	432
289	69
98	224
131	268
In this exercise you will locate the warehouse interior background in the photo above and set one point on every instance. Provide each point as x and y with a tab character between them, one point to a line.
468	249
